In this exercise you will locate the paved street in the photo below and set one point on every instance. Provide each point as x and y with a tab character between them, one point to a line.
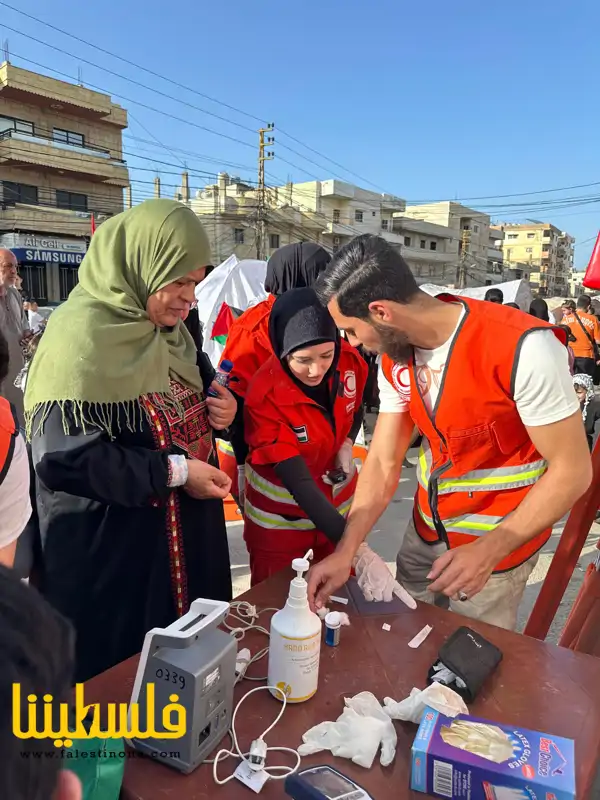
386	538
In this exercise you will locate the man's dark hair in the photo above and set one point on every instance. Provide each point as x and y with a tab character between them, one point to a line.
4	358
494	296
584	302
365	270
36	652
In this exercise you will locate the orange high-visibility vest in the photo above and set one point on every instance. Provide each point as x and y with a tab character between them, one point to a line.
9	430
477	462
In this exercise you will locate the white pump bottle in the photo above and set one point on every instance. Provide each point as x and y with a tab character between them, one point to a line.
295	644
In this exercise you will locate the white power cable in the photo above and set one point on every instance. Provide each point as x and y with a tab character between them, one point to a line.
246	614
259	744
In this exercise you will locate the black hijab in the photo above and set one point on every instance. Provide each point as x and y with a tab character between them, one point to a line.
295	266
539	309
299	320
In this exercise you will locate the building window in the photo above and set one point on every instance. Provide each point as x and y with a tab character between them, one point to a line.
518	274
238	235
20	193
336	215
374	213
529	249
18	125
384	224
488	282
407	241
71	200
531	235
476	228
513	236
433	245
466	227
358	216
508	252
274	241
68	137
423	243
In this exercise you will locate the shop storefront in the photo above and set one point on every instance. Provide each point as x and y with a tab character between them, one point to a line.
48	265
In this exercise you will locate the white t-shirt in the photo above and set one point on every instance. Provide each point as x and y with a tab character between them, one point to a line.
15	503
544	390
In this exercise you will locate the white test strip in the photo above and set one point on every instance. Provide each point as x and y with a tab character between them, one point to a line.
420	637
342	600
386	627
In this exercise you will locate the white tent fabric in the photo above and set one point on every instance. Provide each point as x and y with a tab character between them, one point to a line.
240	284
518	292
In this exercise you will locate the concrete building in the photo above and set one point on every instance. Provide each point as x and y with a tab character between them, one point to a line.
61	162
576	287
470	231
343	211
546	250
329	212
229	212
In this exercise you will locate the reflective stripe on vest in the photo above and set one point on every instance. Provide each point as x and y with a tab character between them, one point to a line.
472	524
481	480
278	493
274	521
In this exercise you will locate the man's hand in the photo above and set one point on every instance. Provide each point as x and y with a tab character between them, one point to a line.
206	482
327	576
465	569
221	409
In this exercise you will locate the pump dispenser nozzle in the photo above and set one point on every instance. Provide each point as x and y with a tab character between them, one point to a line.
301	565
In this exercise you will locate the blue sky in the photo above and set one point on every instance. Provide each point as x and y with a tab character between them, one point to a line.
426	100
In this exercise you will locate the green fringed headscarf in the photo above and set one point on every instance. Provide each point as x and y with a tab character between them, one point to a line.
100	349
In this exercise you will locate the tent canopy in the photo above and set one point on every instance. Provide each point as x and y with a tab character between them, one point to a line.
238	285
518	292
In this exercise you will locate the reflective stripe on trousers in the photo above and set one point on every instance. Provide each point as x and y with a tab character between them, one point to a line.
225	447
472	524
266	519
481	480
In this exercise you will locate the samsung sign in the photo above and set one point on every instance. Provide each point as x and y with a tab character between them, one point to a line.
43	249
47	256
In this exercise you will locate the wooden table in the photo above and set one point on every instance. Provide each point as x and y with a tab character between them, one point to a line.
537	686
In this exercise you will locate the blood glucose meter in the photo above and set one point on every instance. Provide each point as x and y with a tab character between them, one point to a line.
323	783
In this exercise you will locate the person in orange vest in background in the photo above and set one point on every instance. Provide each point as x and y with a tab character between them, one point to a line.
586	332
504	454
15	503
303	410
248	345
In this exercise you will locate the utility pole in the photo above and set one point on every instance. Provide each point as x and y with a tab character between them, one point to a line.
462	267
261	212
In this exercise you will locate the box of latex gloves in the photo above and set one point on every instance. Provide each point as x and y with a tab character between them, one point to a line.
476	759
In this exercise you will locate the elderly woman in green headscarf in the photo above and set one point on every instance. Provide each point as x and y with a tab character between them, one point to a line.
129	497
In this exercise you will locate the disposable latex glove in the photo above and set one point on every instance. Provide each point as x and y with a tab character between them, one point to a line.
440	698
344	458
376	581
357	734
241	481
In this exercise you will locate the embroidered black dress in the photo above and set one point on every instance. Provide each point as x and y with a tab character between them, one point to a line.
123	553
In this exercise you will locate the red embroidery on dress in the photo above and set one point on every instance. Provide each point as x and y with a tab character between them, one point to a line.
162	432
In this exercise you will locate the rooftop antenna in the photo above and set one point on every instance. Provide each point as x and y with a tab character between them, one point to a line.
6	51
79	76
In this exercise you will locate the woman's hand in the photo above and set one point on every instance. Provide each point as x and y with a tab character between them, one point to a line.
221	409
206	482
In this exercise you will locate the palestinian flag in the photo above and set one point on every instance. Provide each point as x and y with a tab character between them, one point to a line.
227	314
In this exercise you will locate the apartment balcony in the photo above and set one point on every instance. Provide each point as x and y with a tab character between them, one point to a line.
41	151
429	256
33	89
50	219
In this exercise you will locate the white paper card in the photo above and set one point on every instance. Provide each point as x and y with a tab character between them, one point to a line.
420	637
253	780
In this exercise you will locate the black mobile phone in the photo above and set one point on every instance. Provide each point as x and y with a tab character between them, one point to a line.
337	475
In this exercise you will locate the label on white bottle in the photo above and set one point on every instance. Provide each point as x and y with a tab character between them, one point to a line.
294	666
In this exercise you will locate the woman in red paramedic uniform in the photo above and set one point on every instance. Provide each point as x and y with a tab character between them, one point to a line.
303	410
248	345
